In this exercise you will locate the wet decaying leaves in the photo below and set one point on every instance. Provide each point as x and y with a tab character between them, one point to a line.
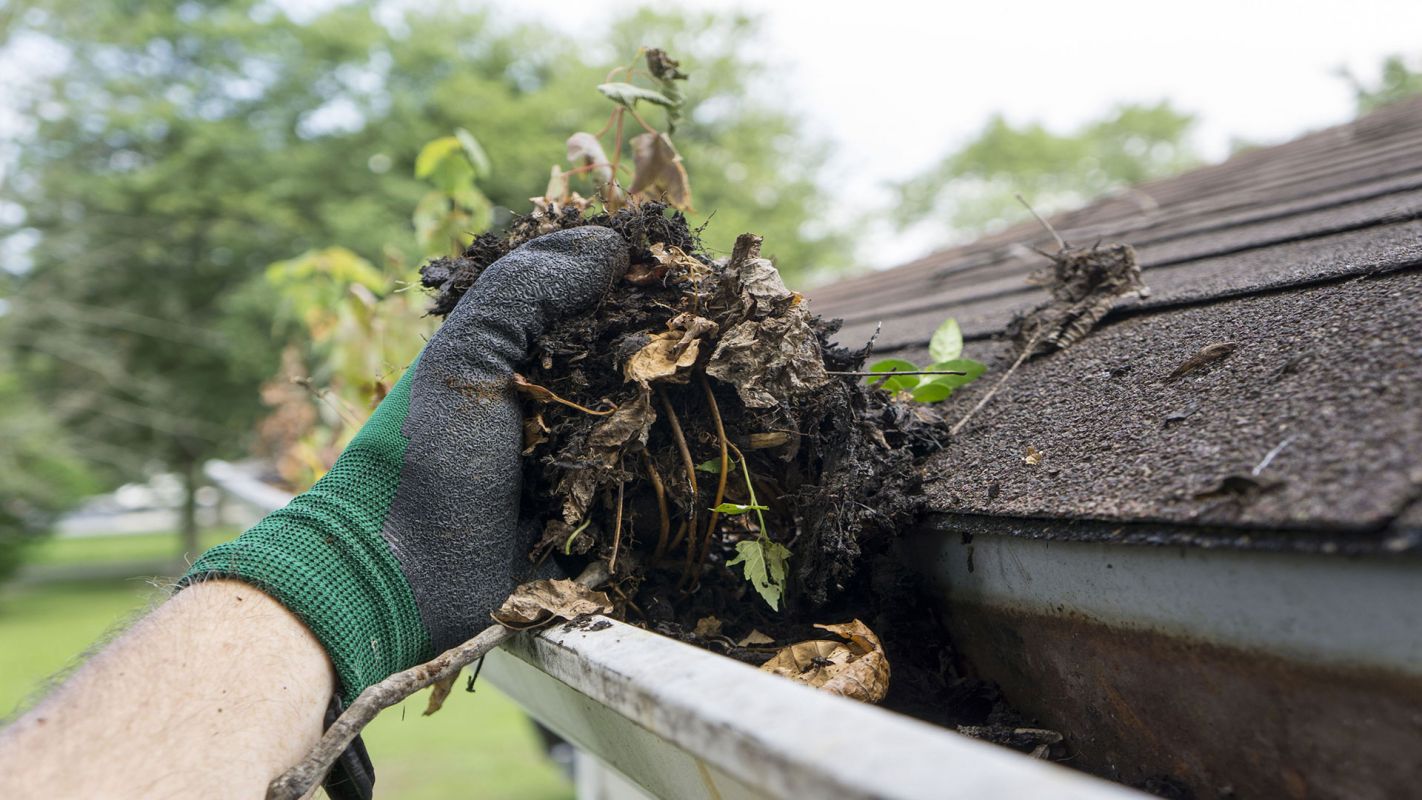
857	669
538	602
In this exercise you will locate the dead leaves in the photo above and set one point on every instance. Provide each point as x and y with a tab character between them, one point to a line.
625	429
669	354
767	360
857	669
773	354
660	174
538	602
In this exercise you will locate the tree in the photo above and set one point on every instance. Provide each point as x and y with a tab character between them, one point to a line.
184	146
1397	81
974	189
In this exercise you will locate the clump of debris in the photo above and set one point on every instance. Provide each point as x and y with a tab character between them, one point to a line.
700	434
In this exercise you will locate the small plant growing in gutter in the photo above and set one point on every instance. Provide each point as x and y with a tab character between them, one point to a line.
937	381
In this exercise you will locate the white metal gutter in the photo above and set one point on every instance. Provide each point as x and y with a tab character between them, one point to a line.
681	722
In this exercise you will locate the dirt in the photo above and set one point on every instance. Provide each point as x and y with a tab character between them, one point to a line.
610	396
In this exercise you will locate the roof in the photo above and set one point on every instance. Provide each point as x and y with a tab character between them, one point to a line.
1305	256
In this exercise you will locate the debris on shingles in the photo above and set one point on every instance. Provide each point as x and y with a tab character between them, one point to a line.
1209	354
1085	283
1240	487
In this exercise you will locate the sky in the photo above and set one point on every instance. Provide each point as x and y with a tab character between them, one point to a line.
894	85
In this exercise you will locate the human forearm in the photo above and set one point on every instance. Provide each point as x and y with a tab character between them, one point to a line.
212	695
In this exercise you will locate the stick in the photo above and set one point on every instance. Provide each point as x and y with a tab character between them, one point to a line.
665	518
721	484
1026	353
897	372
1061	243
311	770
296	782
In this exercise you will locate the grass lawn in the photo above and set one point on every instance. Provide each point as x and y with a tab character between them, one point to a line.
479	746
147	547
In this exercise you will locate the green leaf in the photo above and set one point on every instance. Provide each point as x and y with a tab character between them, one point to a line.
735	509
433	154
713	466
947	341
892	365
475	151
765	565
972	371
628	94
932	392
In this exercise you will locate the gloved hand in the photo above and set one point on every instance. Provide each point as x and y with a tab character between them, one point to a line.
406	545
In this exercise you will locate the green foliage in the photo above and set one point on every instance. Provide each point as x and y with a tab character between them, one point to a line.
947	341
736	509
41	473
975	187
1398	81
447	218
177	155
945	347
765	564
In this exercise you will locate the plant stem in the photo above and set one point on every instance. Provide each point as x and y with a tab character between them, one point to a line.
665	519
568	545
750	489
721	484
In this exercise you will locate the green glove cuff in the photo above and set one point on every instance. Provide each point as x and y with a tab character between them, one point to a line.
323	557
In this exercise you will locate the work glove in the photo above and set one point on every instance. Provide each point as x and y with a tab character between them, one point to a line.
404	548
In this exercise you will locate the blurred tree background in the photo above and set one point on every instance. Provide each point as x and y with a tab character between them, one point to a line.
974	189
176	149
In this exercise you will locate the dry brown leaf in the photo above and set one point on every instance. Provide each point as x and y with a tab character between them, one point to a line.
606	443
755	637
707	626
659	173
439	692
661	359
670	352
771	359
533	391
538	602
535	431
857	669
1033	457
584	150
761	441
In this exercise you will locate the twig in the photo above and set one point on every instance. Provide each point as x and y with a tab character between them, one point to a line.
1271	455
1061	243
690	465
897	372
543	394
302	778
616	529
1026	353
721	483
676	538
660	491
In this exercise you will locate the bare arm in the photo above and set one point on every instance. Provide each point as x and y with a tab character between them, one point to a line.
211	695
